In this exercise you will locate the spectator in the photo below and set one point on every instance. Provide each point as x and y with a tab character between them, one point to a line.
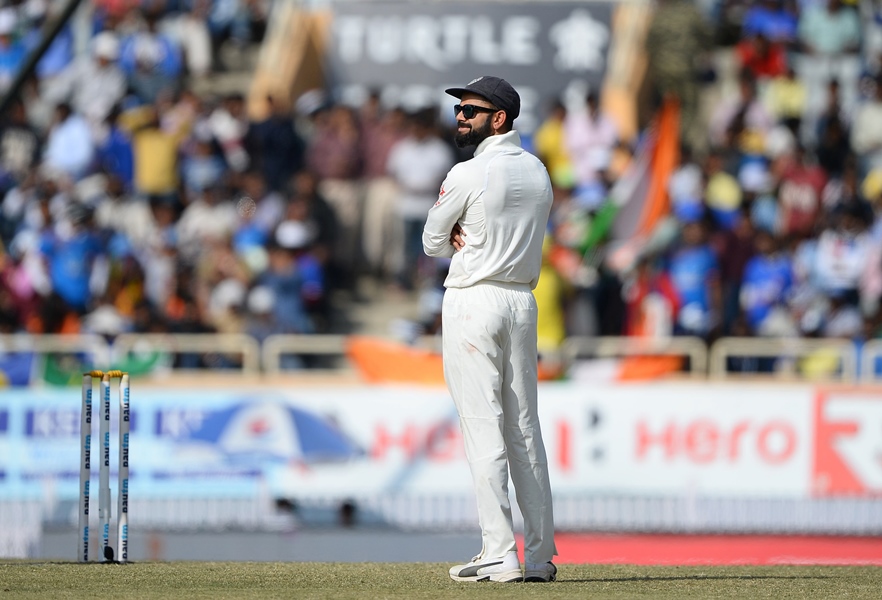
124	215
320	215
723	193
266	207
829	38
285	281
740	115
115	155
95	83
590	137
761	57
296	234
155	153
773	20
72	261
192	34
229	126
69	148
843	251
381	131
210	216
765	286
736	247
12	51
228	20
694	270
551	148
201	167
151	59
866	131
276	149
651	300
259	313
418	164
800	190
833	111
786	98
829	29
20	146
334	155
686	184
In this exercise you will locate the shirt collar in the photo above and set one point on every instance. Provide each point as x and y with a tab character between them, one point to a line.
511	138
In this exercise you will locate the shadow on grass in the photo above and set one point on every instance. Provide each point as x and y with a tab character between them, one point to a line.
692	578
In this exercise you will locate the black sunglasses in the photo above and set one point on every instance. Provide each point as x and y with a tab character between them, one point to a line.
470	110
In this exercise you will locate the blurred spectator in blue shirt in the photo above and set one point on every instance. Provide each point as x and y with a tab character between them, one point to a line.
285	281
71	261
694	272
201	167
114	152
767	281
151	60
12	51
771	19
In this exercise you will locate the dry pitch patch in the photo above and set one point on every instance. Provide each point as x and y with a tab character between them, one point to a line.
374	581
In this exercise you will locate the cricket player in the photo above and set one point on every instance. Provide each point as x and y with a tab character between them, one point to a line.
490	219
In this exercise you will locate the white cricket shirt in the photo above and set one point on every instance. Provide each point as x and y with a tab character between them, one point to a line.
501	198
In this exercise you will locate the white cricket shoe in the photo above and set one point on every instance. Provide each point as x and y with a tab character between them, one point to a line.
540	572
502	570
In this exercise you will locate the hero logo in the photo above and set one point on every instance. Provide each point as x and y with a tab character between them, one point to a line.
704	441
438	442
848	444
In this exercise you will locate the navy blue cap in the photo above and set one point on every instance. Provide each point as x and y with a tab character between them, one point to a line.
495	90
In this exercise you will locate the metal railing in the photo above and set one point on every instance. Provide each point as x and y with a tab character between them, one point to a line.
871	353
276	346
789	352
839	359
218	345
616	346
92	346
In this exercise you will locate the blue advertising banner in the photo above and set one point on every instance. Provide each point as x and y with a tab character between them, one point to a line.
182	444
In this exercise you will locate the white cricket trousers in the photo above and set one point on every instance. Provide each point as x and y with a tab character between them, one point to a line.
490	366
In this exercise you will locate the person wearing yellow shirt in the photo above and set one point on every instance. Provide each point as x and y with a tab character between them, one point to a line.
551	149
155	150
550	294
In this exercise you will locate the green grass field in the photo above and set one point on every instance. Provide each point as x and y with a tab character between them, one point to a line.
375	581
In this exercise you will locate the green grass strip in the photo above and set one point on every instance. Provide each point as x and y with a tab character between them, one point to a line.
376	581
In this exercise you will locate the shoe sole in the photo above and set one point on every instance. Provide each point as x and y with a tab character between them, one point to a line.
537	579
507	577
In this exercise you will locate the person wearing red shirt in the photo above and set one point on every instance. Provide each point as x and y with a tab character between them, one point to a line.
763	58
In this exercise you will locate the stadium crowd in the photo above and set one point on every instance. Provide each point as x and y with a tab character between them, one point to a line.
774	226
133	203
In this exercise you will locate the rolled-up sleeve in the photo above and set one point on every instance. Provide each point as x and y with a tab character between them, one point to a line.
449	208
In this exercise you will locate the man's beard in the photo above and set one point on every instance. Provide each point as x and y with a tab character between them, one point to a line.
473	136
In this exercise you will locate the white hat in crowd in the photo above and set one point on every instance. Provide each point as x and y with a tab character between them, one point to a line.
261	300
293	235
106	45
